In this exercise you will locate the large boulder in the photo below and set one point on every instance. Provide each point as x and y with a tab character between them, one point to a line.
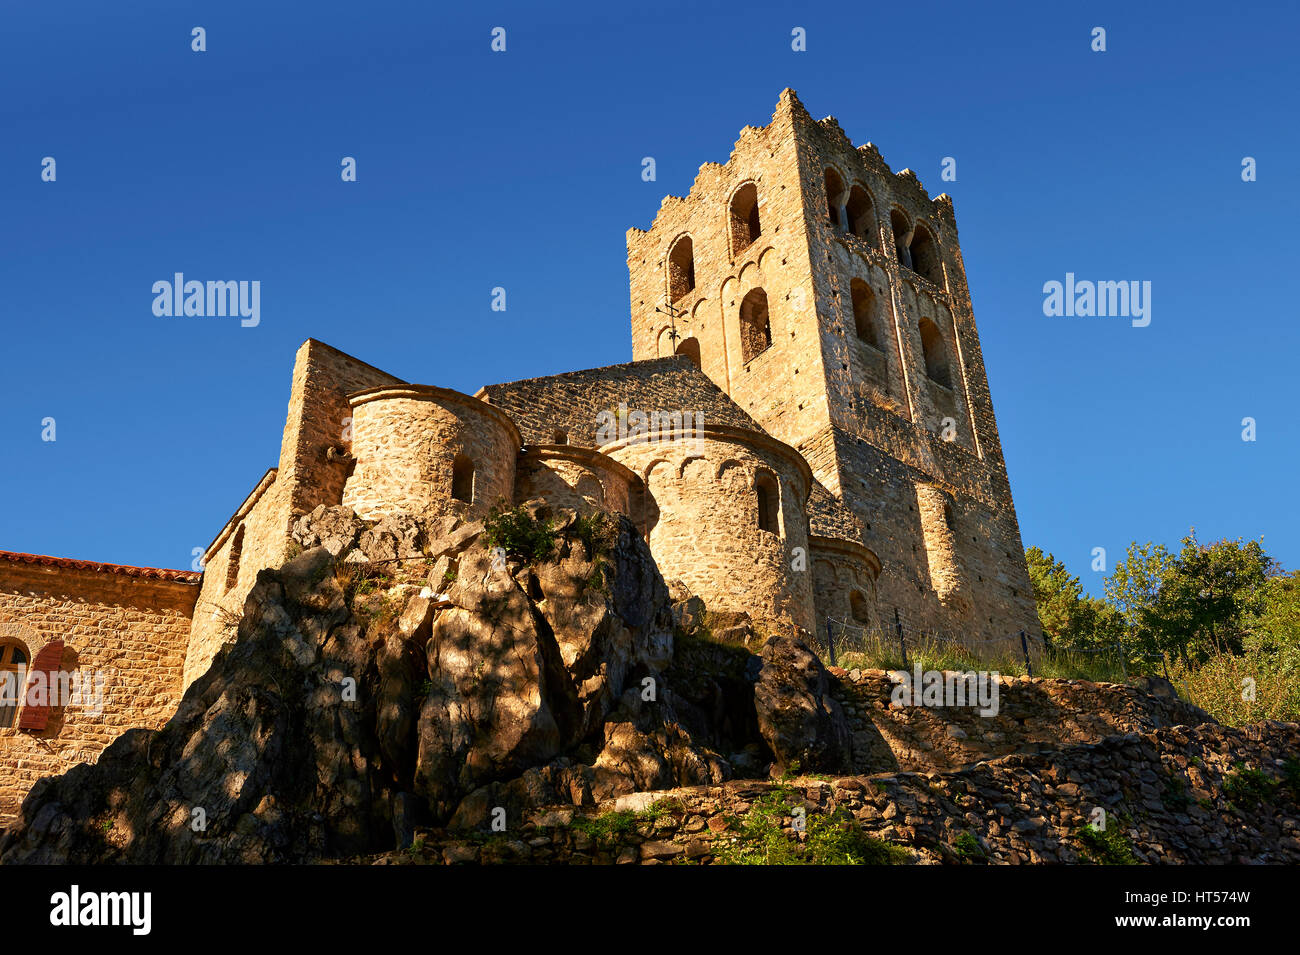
526	666
800	721
337	529
357	702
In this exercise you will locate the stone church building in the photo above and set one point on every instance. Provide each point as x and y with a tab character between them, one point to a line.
823	448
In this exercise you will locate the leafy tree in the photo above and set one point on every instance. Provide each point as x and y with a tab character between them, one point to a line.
1133	590
1275	626
1204	604
1056	593
1069	617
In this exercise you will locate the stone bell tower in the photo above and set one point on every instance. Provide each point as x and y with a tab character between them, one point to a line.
826	295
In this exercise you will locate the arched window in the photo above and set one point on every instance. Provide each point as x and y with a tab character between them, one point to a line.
681	268
755	325
902	235
232	562
768	495
860	607
558	436
462	479
745	227
864	312
936	354
691	349
834	198
925	256
861	214
13	670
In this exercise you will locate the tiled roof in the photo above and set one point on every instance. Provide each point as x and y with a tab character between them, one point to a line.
572	400
68	563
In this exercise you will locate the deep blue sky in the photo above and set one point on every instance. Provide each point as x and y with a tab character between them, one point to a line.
522	170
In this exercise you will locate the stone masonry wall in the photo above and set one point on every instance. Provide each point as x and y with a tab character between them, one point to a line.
578	478
1031	714
572	403
406	441
1163	790
783	386
257	530
702	515
132	630
319	419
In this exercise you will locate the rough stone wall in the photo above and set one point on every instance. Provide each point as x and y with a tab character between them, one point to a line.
1163	789
1031	714
579	478
572	403
318	420
702	515
132	630
984	543
844	585
782	387
879	418
406	441
257	528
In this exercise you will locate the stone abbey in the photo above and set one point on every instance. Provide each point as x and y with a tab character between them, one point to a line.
804	305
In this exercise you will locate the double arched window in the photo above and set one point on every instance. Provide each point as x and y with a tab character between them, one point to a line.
916	248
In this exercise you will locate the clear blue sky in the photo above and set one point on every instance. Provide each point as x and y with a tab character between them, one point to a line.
522	170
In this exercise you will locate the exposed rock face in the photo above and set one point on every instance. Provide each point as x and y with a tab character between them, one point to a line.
799	719
353	705
406	674
337	529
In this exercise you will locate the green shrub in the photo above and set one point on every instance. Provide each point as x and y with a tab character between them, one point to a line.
1110	847
1247	788
833	838
1175	797
519	534
597	531
967	846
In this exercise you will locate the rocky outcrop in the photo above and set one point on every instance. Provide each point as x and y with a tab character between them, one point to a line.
800	720
357	702
1177	795
402	681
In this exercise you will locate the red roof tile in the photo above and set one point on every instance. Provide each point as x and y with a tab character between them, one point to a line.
67	563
